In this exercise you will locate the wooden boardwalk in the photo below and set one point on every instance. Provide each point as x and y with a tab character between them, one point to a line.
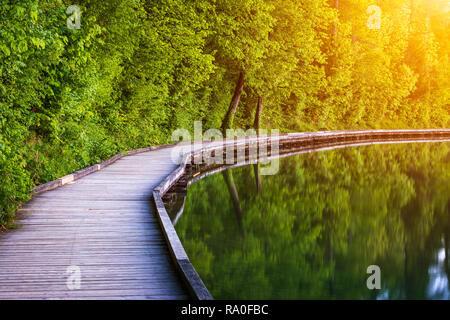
102	224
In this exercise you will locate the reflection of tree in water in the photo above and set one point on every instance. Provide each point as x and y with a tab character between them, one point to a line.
447	244
257	178
228	177
325	221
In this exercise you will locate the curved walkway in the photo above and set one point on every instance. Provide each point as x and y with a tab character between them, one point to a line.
103	225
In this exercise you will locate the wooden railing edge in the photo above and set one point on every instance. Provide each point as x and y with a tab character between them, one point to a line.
89	170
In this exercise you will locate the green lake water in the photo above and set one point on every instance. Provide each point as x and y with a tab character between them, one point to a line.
312	230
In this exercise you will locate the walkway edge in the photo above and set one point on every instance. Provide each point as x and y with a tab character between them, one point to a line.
87	171
194	283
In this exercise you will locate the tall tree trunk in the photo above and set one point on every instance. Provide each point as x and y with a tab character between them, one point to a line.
229	117
427	67
331	62
355	50
336	6
258	114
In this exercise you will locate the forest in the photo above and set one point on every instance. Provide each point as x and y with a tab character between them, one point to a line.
135	70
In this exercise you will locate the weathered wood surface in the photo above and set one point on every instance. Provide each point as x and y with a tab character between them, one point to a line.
102	223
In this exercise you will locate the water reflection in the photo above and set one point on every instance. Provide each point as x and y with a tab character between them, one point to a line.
311	231
438	284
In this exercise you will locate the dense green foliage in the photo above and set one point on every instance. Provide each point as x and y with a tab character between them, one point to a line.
138	69
311	231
